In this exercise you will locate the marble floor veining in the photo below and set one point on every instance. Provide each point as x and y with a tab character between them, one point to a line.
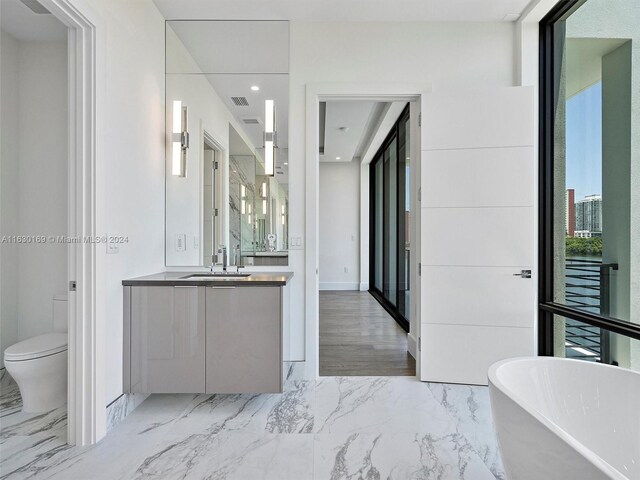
333	428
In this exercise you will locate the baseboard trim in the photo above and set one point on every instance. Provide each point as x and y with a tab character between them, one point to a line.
339	286
412	346
122	406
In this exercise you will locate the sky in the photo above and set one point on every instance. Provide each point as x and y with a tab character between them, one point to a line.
584	142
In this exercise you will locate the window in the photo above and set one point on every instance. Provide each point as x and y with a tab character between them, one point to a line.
589	171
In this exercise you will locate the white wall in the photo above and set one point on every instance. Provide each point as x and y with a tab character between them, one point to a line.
130	158
444	55
8	191
34	183
339	236
42	202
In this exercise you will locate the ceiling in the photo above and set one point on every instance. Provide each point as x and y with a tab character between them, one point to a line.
22	23
368	124
584	61
345	124
343	10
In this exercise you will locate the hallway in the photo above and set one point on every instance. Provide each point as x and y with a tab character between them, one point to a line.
358	337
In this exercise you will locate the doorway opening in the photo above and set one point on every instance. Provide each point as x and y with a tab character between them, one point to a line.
37	245
364	238
212	211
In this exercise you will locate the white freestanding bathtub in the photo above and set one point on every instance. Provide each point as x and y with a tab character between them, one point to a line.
560	419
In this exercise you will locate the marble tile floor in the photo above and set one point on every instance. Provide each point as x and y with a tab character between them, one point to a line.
333	428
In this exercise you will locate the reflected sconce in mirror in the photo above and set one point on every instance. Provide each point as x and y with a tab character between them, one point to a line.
282	214
264	198
243	201
270	138
179	140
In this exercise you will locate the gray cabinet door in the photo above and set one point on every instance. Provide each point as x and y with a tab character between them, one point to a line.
244	340
167	339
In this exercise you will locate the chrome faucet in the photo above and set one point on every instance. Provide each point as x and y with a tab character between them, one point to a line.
222	257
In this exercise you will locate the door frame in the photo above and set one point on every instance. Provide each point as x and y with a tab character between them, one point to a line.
321	92
86	415
220	155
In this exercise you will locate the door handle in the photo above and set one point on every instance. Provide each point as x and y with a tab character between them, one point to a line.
523	274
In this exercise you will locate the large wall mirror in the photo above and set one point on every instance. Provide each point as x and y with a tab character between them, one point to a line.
227	107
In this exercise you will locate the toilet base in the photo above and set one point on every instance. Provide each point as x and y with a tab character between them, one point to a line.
42	381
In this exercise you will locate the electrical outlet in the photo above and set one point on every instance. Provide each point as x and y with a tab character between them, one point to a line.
196	242
346	269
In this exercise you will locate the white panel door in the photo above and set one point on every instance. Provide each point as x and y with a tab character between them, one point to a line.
478	231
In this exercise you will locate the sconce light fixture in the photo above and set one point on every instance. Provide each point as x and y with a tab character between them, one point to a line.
243	202
264	206
270	137
282	214
179	140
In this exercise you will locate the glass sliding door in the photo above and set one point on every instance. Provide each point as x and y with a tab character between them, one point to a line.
389	210
589	259
404	220
391	227
377	215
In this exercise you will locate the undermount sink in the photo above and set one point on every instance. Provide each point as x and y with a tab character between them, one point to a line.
216	276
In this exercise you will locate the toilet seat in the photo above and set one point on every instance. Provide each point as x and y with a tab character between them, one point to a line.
37	347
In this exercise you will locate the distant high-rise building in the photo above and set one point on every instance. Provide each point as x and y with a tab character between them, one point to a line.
589	214
570	213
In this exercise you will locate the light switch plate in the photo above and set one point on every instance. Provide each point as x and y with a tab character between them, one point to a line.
181	242
112	247
296	243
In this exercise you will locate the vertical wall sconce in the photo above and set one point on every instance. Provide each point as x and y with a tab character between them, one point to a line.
270	138
243	201
264	198
282	214
179	140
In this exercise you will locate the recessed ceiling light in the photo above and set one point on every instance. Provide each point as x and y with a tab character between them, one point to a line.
337	158
286	163
255	88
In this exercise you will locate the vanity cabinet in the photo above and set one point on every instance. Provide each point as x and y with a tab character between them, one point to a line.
244	340
167	339
203	339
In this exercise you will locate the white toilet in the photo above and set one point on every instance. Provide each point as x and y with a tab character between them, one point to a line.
39	364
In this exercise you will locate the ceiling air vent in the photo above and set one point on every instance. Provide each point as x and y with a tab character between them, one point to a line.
240	101
251	121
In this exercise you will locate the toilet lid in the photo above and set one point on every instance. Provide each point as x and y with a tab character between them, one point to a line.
36	347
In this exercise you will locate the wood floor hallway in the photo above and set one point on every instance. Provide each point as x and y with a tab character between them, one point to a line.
358	337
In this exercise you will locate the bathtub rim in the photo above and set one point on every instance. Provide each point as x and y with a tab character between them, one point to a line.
597	461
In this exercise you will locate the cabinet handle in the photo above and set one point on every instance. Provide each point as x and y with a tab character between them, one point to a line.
231	286
185	286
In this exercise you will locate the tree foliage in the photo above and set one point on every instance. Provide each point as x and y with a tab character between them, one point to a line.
584	246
